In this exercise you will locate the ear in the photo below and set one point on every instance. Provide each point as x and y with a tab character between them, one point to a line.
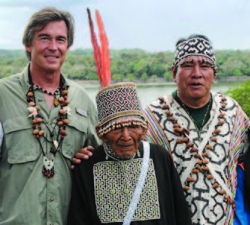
28	48
215	73
173	74
101	137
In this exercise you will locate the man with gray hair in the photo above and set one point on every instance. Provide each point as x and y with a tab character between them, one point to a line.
204	131
127	180
46	119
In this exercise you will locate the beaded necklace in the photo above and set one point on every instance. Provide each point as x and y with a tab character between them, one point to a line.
38	123
48	92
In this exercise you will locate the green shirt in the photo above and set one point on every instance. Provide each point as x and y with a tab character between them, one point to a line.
200	116
27	197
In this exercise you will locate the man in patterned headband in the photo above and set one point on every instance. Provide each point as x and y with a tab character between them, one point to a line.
203	130
126	181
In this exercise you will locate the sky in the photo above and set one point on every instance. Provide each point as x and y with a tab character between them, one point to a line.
152	25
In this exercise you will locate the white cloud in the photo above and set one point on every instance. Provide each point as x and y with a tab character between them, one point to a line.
153	25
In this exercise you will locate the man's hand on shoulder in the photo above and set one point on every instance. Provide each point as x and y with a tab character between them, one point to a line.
83	153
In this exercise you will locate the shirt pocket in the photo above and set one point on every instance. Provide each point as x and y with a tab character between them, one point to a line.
21	144
76	136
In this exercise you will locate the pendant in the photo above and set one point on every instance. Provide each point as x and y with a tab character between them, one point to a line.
48	165
56	102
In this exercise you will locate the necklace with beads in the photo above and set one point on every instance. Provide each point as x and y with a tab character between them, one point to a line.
38	123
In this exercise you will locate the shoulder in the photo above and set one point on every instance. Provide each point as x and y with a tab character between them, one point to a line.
155	103
79	96
155	106
15	78
10	85
218	96
75	86
230	103
98	156
158	150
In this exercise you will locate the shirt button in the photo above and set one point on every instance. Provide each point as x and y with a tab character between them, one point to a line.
51	199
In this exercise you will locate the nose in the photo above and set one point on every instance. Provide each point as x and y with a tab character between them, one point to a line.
52	45
125	133
196	72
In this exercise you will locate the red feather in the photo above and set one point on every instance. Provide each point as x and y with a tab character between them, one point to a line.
105	60
96	49
101	55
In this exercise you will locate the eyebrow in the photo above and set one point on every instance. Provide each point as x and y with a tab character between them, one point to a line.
200	62
185	62
205	61
47	35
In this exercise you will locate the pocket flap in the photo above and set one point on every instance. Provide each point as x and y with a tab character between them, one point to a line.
20	142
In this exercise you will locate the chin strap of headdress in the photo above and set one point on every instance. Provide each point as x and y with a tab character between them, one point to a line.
101	53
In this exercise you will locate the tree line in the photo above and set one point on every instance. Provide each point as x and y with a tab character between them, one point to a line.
127	64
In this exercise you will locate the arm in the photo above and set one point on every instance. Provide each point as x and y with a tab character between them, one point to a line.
241	214
82	209
155	133
182	211
76	204
83	153
92	140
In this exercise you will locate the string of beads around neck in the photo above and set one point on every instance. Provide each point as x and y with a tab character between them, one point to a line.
57	91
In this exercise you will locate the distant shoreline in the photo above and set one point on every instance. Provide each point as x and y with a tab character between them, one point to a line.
160	81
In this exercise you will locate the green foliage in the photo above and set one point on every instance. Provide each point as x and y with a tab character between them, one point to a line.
242	95
117	77
127	63
144	76
130	77
168	75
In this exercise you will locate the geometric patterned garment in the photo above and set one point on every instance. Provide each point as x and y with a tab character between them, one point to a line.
206	160
114	185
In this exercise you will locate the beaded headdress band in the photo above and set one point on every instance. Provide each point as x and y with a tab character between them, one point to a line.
194	47
117	104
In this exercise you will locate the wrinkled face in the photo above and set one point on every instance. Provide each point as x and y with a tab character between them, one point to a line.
124	141
49	47
194	79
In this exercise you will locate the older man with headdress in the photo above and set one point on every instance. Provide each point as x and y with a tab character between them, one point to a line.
127	180
203	130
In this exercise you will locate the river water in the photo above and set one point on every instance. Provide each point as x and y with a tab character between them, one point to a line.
149	93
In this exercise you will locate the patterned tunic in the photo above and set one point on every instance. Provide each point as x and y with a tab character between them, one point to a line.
206	160
102	190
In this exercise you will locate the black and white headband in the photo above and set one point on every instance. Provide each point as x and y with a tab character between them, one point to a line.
194	47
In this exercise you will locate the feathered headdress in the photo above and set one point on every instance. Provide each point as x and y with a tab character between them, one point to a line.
117	104
101	54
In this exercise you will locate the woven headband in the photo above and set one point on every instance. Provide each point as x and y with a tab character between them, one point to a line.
194	47
119	105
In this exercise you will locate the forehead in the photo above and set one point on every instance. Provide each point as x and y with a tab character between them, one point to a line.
196	59
121	126
53	27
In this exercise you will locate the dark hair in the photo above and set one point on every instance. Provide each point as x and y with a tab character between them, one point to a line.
41	18
185	39
247	177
